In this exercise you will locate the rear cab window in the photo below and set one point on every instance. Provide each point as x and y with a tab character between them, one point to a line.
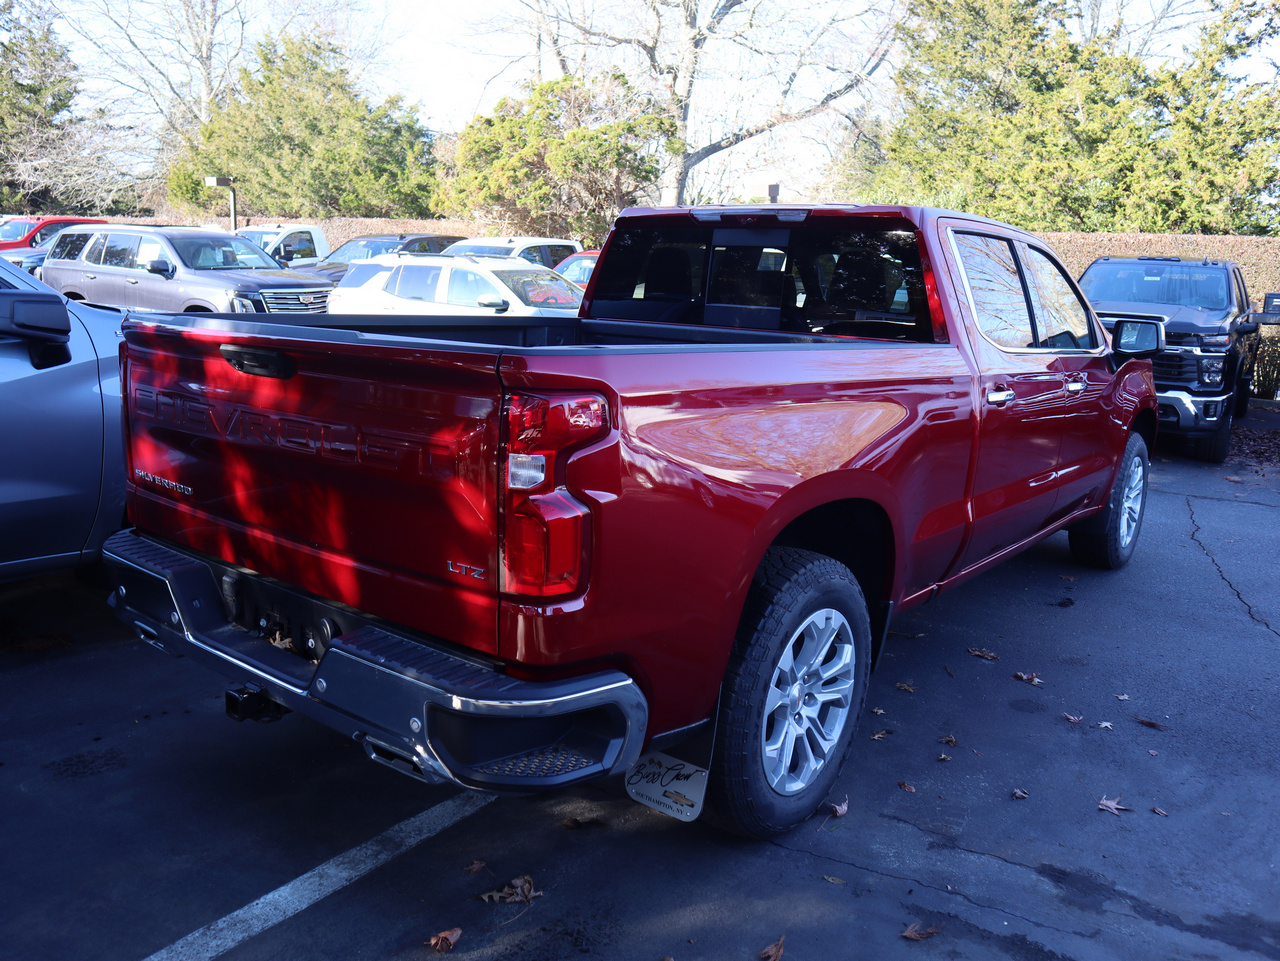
858	281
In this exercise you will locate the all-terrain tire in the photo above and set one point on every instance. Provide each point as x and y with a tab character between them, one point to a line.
792	693
1107	540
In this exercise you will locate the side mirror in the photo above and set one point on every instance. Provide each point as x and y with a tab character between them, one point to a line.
33	316
1137	338
1246	327
162	267
494	301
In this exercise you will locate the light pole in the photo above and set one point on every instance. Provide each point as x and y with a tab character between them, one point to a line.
225	182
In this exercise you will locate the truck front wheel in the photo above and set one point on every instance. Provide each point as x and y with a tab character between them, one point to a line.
1107	540
792	694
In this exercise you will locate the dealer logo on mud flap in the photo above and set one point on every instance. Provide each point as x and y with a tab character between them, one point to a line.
669	785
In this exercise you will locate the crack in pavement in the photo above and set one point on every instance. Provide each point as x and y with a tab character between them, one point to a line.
1195	536
942	890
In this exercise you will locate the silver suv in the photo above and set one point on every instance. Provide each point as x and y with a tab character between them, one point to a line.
177	269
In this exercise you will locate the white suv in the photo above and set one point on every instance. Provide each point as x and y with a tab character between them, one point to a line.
547	251
442	284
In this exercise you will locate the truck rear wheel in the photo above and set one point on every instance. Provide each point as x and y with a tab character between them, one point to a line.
1107	540
792	694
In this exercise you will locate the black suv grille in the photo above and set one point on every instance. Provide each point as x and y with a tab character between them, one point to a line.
1174	366
308	300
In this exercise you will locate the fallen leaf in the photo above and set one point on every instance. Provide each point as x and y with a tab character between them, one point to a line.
1145	723
1159	812
1020	794
519	891
1067	602
840	810
474	868
948	670
906	787
879	735
1073	718
877	710
1113	805
1029	678
1234	480
916	933
949	740
983	653
1106	725
774	951
1068	577
904	686
1122	697
1154	753
445	940
832	880
944	757
976	751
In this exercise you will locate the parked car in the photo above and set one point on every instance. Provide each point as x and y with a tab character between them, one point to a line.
334	267
63	477
665	538
1205	373
30	259
577	267
296	245
19	231
537	250
177	269
443	284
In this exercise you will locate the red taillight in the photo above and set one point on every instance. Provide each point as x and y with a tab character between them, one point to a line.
546	531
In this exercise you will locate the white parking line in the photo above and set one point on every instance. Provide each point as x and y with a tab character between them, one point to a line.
284	902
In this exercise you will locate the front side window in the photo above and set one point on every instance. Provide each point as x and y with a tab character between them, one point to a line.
45	234
466	287
301	242
149	249
995	285
540	287
119	250
532	254
1062	321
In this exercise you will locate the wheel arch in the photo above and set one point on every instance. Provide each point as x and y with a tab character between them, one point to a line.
1144	424
857	532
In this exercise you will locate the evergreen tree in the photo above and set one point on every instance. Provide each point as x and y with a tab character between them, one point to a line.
561	162
300	141
1007	116
37	87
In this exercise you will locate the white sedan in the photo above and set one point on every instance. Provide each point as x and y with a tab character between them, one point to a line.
441	284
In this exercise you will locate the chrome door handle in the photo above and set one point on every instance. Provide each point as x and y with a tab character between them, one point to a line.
1000	397
90	276
132	281
1075	386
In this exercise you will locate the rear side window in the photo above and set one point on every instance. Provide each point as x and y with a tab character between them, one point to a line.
532	254
862	282
996	288
559	252
414	282
94	254
68	246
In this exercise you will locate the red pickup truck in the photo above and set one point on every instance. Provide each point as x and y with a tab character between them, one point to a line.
515	554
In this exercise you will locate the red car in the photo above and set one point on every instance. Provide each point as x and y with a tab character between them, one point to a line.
576	268
33	231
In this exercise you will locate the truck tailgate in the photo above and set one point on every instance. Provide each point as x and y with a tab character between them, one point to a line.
365	473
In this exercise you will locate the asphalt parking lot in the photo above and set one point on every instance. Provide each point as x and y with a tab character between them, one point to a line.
142	823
